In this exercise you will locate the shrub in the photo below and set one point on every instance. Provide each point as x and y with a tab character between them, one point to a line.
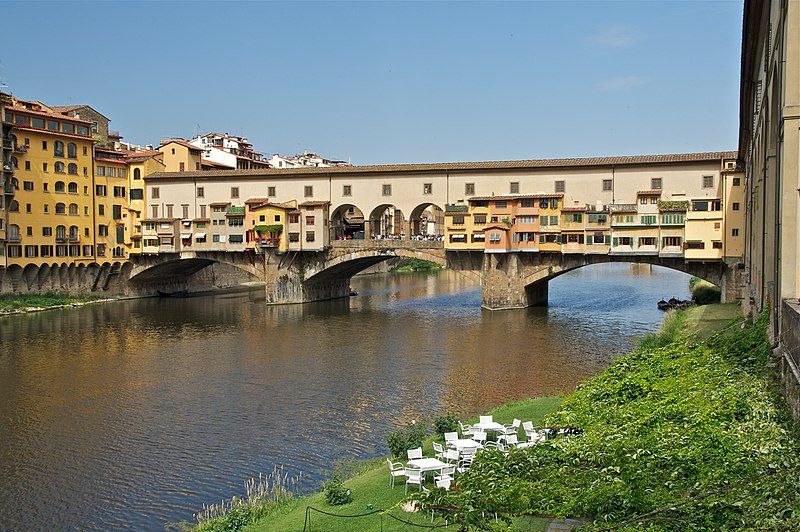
693	280
409	437
335	492
445	423
705	293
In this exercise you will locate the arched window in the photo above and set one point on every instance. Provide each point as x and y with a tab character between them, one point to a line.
137	174
73	232
72	150
14	162
72	169
13	206
13	232
15	183
73	209
58	148
61	232
60	186
72	188
60	168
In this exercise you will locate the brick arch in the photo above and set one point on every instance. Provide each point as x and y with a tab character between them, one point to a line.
152	268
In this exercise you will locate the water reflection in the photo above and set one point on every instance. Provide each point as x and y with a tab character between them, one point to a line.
133	414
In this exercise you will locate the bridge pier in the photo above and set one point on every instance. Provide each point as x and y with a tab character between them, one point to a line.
503	284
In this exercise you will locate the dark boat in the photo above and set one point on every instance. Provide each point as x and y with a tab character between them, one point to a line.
663	305
179	293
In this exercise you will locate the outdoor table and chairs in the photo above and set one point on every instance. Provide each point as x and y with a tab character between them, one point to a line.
461	444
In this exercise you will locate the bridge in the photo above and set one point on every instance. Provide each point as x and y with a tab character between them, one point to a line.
507	281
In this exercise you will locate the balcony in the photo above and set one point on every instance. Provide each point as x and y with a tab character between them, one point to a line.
20	149
267	242
456	208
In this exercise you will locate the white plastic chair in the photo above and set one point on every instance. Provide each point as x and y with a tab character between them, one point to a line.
396	469
449	438
479	437
511	440
438	449
451	456
414	477
536	436
486	419
444	483
414	454
447	472
527	426
465	431
464	464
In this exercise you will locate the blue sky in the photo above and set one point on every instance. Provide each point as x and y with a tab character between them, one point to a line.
393	82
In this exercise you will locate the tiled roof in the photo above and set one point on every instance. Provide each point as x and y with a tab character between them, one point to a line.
181	143
220	203
314	203
44	114
434	167
573	209
506	197
649	193
70	108
256	200
496	225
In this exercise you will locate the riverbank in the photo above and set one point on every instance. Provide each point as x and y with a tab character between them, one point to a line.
21	304
681	430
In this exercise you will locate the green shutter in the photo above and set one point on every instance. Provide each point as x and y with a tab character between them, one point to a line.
616	241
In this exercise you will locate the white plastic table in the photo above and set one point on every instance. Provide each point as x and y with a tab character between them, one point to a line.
462	444
493	426
427	464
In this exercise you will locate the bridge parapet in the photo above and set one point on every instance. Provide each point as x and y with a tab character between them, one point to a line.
358	245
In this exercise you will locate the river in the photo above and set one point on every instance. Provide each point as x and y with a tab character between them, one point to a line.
132	414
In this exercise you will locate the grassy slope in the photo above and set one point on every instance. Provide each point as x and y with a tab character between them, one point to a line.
15	302
371	487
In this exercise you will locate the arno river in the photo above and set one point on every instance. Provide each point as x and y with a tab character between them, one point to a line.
133	414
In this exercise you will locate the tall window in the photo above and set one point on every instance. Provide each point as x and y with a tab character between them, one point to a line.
58	148
560	187
655	183
72	188
347	190
271	192
308	191
234	192
514	187
427	188
61	208
72	169
137	174
386	190
73	209
469	189
72	150
13	232
60	186
201	193
60	168
708	181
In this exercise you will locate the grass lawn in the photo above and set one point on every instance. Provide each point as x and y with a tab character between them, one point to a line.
705	320
371	487
10	302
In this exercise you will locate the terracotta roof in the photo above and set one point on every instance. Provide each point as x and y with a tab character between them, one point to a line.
256	200
70	108
314	203
59	133
220	203
181	143
58	116
201	219
506	197
442	167
649	193
573	209
496	226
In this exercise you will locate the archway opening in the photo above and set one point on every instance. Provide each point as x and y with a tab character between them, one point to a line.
427	222
386	222
347	223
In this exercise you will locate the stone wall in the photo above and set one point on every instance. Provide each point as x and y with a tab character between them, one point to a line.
789	361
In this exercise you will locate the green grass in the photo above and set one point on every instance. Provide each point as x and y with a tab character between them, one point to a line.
10	302
369	485
705	320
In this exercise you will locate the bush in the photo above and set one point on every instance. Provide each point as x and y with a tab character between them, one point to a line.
409	437
705	293
445	423
693	281
335	492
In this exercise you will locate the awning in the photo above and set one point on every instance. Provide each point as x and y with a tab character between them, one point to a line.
186	235
199	235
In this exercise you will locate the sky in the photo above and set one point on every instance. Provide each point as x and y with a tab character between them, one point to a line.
387	82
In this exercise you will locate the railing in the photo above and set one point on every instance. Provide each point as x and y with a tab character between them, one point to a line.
387	244
20	149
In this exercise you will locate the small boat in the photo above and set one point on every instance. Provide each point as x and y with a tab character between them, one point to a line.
663	305
179	293
673	304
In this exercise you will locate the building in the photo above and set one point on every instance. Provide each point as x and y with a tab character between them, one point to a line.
140	165
229	151
305	159
769	148
49	205
112	213
180	156
100	122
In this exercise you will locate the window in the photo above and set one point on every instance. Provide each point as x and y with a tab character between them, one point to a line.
695	245
294	218
44	167
46	251
560	186
13	232
347	190
31	251
655	183
116	212
554	220
608	184
101	170
308	191
527	220
643	200
99	190
277	218
737	181
708	181
73	209
137	174
72	188
236	222
154	193
501	204
185	210
672	219
598	218
671	241
699	205
137	194
469	189
155	211
181	167
294	237
647	241
61	208
478	237
734	232
310	236
235	239
47	231
649	220
576	217
201	193
202	211
528	203
545	220
234	192
735	206
513	187
101	210
72	150
427	188
654	200
60	168
58	148
271	192
494	238
27	165
84	129
459	219
27	185
387	190
169	210
72	169
119	192
309	220
716	245
44	145
102	230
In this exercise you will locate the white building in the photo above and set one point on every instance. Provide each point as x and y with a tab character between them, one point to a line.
229	150
304	159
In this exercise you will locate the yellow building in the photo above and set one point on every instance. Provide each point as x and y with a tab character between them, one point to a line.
111	204
704	236
180	156
51	216
734	214
140	165
550	221
266	224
